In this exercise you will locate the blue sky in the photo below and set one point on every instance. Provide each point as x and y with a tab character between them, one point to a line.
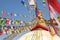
15	6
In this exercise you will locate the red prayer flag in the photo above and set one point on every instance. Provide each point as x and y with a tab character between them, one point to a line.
55	4
1	32
3	13
7	21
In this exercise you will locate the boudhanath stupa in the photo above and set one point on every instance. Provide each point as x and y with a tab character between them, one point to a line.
29	19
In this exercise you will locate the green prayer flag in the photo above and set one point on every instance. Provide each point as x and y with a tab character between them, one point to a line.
43	0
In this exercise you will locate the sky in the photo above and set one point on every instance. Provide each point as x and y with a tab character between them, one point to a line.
15	6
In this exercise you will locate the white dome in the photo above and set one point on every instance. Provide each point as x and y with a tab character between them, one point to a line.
39	35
